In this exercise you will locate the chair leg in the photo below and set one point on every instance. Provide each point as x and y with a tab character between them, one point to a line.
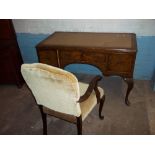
79	125
101	106
43	115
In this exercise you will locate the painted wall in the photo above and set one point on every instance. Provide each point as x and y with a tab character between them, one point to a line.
30	32
141	27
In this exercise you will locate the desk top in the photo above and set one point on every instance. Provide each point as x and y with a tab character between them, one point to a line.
90	40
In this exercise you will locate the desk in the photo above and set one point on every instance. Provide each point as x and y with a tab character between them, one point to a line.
112	53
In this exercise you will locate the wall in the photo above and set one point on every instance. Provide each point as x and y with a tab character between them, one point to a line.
141	27
30	32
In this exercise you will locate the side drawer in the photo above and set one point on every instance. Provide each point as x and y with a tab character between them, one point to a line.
121	63
48	57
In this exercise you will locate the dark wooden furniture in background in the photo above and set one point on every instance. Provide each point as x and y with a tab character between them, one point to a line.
10	57
112	53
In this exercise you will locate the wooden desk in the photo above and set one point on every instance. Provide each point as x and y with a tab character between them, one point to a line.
112	53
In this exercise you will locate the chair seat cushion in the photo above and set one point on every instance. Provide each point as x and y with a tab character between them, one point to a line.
88	105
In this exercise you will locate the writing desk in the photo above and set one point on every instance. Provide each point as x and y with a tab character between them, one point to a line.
112	53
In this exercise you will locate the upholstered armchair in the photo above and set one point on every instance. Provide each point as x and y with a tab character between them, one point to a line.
58	93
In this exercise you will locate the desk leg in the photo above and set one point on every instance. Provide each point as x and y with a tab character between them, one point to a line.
130	84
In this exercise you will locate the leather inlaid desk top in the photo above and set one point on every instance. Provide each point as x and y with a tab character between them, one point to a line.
90	40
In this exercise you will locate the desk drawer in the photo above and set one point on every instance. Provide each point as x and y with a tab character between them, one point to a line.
67	57
90	57
121	63
93	57
48	57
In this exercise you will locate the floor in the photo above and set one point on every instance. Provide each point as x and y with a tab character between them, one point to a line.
19	114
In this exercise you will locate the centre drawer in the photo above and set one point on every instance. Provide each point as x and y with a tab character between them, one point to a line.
85	57
68	56
93	57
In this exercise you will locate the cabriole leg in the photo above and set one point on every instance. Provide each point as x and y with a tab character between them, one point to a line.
101	106
79	125
130	84
43	115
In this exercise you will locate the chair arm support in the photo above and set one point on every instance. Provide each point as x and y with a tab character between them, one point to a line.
92	86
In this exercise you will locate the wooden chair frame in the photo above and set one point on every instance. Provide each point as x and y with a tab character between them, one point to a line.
73	119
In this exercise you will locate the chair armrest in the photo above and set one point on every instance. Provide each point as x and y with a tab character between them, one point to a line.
92	86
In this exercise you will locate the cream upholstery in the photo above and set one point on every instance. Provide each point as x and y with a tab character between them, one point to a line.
58	89
88	105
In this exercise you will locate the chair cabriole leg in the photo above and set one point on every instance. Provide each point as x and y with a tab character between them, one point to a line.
79	125
101	106
43	115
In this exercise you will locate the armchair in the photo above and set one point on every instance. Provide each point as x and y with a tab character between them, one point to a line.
58	93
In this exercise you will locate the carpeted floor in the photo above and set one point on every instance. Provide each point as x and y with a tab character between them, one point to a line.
20	115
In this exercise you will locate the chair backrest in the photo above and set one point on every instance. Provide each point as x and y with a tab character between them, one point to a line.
53	87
